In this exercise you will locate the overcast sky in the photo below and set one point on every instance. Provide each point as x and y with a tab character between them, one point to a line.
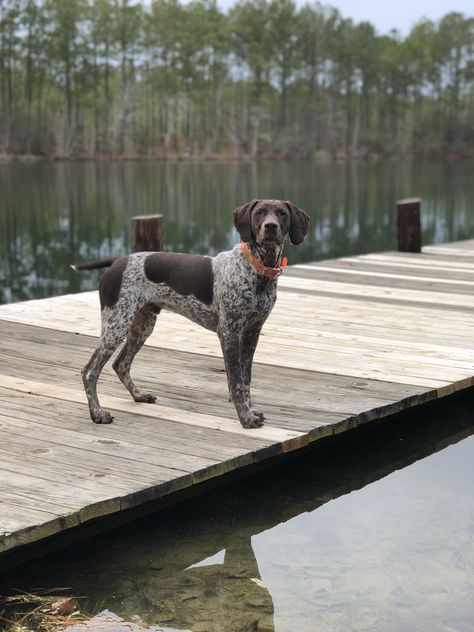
399	14
389	14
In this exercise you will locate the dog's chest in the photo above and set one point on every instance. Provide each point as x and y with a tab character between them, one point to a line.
246	303
242	295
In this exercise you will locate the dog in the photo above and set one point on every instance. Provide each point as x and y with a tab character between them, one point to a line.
231	294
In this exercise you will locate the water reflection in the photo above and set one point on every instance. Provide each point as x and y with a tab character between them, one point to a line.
371	533
55	214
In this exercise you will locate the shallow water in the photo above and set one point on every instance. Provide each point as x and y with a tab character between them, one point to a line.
55	214
372	532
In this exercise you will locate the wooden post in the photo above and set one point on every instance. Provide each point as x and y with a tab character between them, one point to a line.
147	233
409	225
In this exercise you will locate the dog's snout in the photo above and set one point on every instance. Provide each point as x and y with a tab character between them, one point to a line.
271	227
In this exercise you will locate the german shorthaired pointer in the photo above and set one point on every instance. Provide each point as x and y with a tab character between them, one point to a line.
231	294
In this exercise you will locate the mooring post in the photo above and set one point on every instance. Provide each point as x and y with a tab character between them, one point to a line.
147	233
409	225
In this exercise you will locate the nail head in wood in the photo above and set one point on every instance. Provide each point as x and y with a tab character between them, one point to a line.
147	233
409	225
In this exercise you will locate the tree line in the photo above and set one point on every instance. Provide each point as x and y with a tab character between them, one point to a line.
165	79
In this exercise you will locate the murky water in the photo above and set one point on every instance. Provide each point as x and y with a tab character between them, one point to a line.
374	532
55	214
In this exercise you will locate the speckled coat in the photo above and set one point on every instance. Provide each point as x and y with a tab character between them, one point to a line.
227	294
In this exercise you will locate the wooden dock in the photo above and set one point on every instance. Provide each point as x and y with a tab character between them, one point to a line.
350	341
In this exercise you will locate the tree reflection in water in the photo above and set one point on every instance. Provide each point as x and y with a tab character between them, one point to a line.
55	214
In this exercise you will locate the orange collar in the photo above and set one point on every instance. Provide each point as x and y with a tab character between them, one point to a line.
262	269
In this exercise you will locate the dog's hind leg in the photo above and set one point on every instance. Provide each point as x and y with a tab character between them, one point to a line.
113	333
141	328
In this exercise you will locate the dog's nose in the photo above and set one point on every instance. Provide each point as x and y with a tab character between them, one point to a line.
270	227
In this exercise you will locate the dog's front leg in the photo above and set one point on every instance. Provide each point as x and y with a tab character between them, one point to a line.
248	345
231	343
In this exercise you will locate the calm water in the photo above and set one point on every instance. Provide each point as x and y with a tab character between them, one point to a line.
54	214
372	533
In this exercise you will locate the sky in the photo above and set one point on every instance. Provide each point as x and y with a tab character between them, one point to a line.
399	14
388	14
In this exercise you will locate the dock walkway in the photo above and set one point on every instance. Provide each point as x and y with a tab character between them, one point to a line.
350	341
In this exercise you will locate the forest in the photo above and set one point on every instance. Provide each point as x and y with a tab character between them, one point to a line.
264	79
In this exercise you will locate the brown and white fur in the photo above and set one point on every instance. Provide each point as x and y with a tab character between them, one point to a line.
224	294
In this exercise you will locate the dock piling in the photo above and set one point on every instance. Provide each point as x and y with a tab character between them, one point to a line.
409	225
147	233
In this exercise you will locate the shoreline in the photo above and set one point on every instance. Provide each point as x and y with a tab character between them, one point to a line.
242	158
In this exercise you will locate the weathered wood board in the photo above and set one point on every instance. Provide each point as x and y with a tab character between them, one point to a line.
350	341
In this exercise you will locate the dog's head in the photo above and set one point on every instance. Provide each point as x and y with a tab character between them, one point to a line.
268	221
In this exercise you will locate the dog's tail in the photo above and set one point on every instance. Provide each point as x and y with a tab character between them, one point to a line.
95	265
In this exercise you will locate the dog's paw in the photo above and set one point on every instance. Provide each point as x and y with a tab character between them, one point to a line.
255	412
102	417
253	419
146	398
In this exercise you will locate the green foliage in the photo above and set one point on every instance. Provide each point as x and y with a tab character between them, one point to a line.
85	78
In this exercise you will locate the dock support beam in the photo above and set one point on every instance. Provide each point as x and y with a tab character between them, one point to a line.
147	233
409	225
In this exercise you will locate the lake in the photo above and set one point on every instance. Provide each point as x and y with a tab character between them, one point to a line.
376	531
55	214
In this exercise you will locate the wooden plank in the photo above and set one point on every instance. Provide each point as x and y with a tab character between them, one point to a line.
52	413
458	251
73	461
464	244
414	269
190	337
159	412
399	294
57	496
36	524
353	311
433	257
208	391
382	279
173	325
198	373
162	464
404	368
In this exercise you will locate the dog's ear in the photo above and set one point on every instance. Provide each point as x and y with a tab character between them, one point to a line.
242	219
299	223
